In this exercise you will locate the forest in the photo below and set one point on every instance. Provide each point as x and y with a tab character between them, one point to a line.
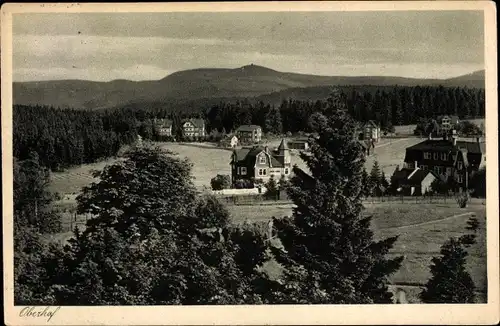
67	137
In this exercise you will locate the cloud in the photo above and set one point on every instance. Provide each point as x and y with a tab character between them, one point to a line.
135	73
37	57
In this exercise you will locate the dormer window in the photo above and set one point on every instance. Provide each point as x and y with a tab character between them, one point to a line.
436	156
262	159
427	156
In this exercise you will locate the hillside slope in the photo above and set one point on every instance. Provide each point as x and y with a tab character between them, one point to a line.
246	81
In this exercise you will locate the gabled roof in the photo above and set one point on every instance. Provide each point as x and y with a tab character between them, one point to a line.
163	123
299	140
247	128
412	176
472	147
198	123
453	118
249	155
371	123
444	145
283	145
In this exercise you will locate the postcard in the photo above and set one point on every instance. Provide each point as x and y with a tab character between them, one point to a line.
250	163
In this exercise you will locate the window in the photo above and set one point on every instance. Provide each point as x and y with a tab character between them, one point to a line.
262	159
239	170
460	178
438	169
286	171
427	155
243	171
460	165
448	171
410	165
444	157
425	167
436	156
262	171
454	157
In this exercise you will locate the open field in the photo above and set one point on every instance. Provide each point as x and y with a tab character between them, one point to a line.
209	160
422	229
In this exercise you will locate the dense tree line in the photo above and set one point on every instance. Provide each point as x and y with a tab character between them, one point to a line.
70	137
389	107
64	137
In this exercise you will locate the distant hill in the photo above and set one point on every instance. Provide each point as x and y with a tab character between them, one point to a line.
182	86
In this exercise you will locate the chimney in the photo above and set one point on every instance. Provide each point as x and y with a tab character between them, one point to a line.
430	136
416	164
266	149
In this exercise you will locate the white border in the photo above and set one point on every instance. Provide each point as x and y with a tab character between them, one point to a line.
276	314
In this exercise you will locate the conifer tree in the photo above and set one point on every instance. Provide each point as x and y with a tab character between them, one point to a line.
375	174
329	253
273	121
450	281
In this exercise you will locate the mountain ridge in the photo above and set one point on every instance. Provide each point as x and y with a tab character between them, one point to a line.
246	81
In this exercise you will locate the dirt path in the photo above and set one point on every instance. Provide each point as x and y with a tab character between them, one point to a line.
430	222
391	142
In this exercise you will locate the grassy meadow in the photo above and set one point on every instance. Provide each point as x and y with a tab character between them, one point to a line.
422	227
209	160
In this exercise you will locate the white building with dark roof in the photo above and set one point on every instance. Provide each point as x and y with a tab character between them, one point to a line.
261	163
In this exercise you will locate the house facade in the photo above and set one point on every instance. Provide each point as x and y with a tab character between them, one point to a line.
229	141
446	123
447	158
301	144
261	163
194	128
414	182
370	131
163	127
249	134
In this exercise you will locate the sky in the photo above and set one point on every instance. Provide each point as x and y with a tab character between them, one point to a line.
149	46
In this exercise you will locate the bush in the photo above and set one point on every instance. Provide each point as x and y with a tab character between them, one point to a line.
220	182
462	199
272	191
243	184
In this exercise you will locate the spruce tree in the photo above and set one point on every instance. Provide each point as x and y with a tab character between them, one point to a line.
375	175
273	121
329	252
450	281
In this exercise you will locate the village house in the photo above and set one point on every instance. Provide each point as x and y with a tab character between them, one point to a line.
193	128
446	123
370	131
300	143
261	163
163	127
413	182
447	157
249	134
230	141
